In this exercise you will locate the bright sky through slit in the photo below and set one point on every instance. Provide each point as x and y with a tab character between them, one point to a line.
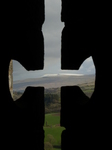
52	29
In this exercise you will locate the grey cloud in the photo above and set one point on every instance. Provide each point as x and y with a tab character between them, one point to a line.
20	73
88	66
52	29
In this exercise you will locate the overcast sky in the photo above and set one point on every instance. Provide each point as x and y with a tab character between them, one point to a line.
52	29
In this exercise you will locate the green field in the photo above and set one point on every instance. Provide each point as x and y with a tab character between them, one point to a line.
52	99
53	131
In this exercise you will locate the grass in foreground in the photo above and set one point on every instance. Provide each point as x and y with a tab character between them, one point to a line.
53	131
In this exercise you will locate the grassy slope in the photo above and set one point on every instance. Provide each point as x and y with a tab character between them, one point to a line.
53	129
52	119
87	88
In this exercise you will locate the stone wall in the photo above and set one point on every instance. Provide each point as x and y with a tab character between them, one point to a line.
85	34
11	77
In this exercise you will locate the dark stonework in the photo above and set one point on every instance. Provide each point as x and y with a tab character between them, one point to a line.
22	121
86	33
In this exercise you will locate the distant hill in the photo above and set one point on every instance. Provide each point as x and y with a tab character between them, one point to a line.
53	81
52	96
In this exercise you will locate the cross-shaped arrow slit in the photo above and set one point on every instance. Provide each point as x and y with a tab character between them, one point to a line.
49	81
